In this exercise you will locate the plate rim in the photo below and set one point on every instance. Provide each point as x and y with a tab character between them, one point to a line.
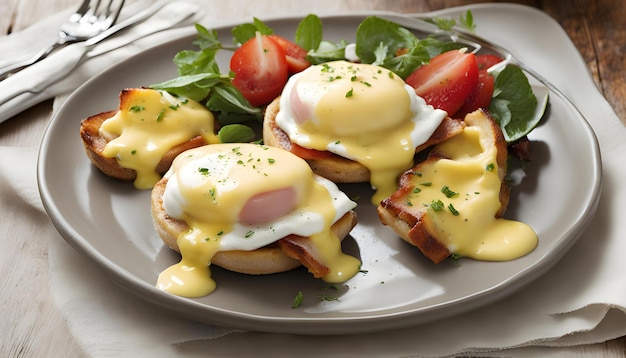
128	282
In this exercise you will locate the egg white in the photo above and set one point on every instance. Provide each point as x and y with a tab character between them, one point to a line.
251	237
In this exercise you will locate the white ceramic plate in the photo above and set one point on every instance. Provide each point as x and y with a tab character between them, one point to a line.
110	222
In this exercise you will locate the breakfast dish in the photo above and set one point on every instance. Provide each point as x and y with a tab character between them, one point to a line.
250	209
376	128
453	202
138	141
113	226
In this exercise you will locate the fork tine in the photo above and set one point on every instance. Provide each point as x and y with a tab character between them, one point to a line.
116	9
111	12
81	11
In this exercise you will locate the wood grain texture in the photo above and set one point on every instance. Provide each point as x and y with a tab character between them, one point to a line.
30	323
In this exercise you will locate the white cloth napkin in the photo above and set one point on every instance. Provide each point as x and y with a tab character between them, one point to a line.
581	300
119	46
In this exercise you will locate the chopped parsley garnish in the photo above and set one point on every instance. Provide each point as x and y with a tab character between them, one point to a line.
297	301
136	109
349	93
447	192
490	167
437	205
453	210
160	115
249	234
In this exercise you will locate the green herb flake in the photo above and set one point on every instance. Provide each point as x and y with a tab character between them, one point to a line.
249	234
490	167
327	298
447	192
453	210
426	184
136	109
297	301
349	93
437	205
160	116
271	160
133	152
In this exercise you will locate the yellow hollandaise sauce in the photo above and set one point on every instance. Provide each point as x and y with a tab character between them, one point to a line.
461	193
213	189
148	124
361	112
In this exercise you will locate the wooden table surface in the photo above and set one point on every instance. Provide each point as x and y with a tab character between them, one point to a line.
31	325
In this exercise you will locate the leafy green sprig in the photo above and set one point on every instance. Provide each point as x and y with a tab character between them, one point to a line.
200	78
378	41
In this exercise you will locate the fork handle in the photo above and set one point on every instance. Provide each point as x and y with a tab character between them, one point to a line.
17	66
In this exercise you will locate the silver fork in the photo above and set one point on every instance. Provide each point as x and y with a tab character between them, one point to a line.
89	20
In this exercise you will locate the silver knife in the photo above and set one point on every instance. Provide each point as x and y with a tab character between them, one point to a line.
24	82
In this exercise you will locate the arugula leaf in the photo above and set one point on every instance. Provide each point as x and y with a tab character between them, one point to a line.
206	38
226	99
327	51
403	65
444	23
194	62
467	21
513	105
374	31
245	32
195	86
235	133
436	47
309	33
386	43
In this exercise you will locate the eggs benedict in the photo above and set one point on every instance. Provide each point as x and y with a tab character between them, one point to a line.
356	122
252	209
138	141
452	203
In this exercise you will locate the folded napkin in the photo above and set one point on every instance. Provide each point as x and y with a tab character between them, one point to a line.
119	46
581	300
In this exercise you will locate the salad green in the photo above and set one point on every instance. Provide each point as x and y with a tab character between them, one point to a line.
378	41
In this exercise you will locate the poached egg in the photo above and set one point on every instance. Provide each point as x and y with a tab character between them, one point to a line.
361	112
243	197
